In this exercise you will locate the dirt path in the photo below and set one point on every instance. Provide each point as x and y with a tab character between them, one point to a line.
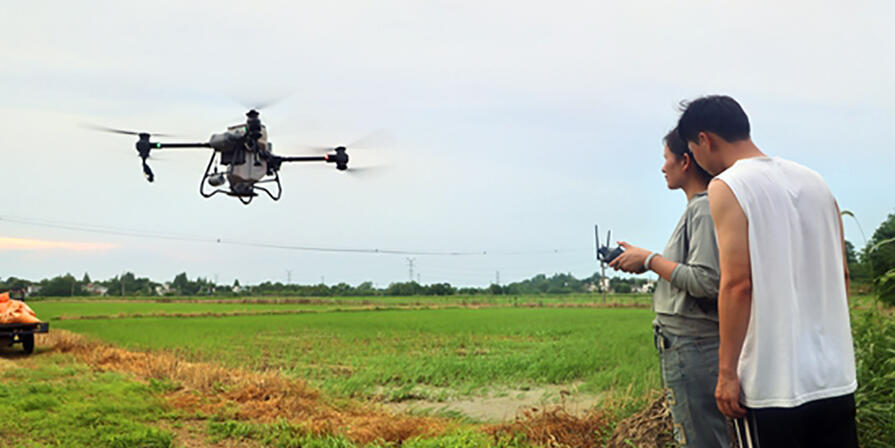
504	404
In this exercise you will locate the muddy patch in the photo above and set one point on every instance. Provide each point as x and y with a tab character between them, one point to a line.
503	404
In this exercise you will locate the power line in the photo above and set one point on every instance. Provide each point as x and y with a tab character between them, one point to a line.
107	230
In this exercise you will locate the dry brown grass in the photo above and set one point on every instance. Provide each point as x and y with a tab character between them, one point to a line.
555	427
209	389
261	397
650	428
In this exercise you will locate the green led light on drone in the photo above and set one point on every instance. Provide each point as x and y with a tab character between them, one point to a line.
158	145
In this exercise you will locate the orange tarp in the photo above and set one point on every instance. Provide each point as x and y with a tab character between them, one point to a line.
15	311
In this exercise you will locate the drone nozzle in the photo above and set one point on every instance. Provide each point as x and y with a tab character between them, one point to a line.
216	180
148	172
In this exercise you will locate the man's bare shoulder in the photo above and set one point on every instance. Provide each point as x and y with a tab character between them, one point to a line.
723	202
719	192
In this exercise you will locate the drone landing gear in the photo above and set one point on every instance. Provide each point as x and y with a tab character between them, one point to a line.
245	192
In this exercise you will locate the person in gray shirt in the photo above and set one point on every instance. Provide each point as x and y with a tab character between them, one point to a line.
685	303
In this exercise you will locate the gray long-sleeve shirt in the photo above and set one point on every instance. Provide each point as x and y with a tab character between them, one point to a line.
687	305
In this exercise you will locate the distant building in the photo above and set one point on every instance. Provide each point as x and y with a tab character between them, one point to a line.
163	289
646	288
96	289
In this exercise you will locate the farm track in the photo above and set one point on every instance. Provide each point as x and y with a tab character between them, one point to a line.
209	389
364	308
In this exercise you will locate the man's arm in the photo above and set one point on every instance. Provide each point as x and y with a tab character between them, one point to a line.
844	252
734	295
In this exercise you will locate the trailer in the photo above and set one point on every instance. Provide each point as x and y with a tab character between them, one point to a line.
22	333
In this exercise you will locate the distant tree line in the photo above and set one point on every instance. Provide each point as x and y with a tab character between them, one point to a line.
128	284
872	269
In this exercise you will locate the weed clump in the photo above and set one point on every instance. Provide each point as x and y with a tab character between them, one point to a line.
554	427
651	427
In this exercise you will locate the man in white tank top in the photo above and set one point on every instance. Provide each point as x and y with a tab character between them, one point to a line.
786	359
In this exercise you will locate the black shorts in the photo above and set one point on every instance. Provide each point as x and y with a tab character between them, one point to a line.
822	423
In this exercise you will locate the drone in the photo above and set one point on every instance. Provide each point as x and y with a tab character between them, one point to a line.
242	158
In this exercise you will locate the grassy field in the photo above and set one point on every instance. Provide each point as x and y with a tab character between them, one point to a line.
393	355
56	401
440	355
387	351
62	309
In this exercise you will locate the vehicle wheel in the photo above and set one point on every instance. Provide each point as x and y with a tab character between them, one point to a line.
28	343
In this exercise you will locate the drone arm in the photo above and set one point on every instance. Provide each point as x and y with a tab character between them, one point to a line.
304	159
180	145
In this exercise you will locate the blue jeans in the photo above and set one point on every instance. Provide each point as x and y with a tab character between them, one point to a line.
690	373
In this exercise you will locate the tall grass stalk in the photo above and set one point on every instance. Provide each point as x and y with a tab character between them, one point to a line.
874	337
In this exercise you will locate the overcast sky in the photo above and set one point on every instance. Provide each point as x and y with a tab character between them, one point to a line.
510	128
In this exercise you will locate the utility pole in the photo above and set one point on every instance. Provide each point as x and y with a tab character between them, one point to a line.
603	282
288	277
323	280
122	284
410	266
497	278
418	279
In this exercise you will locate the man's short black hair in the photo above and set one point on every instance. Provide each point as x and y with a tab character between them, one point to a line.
719	114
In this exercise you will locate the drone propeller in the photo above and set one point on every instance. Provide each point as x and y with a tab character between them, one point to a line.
363	171
121	131
258	104
374	140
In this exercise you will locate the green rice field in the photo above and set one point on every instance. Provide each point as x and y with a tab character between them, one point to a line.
470	361
395	354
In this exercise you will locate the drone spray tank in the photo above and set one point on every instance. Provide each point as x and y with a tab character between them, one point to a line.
245	151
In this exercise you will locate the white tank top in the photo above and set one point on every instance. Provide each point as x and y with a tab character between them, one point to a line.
798	345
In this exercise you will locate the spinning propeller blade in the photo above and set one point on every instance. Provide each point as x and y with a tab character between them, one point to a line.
261	103
121	131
